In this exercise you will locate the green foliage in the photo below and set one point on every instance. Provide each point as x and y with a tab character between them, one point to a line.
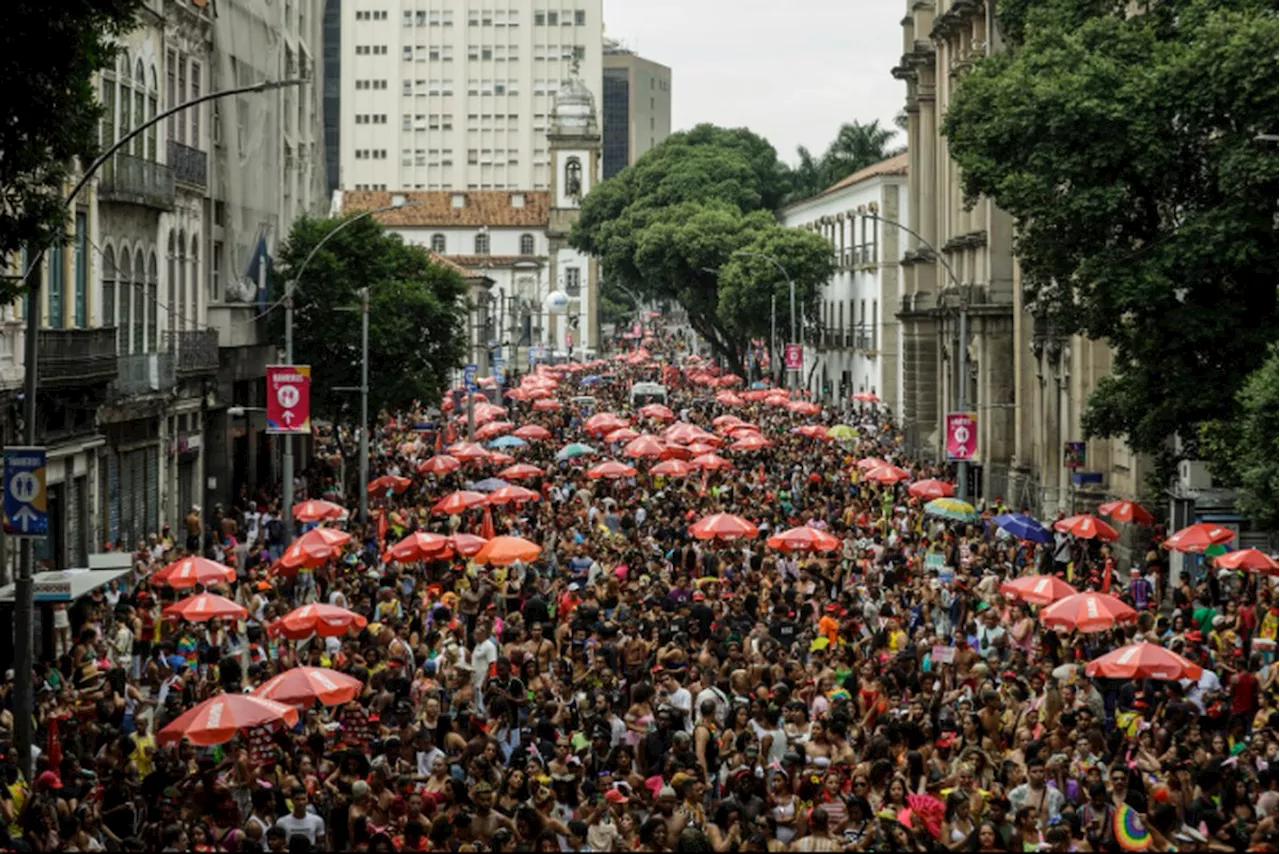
417	316
855	147
1124	147
1243	451
48	55
748	283
665	226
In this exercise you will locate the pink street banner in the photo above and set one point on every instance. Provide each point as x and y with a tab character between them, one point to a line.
962	436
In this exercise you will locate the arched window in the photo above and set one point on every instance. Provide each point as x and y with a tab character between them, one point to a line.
482	243
526	244
437	243
573	177
125	96
195	282
139	108
153	97
126	301
153	298
171	278
139	303
109	288
182	281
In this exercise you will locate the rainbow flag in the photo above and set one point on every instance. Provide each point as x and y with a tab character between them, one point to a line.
1129	830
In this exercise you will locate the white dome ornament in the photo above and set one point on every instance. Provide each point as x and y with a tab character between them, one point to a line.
557	302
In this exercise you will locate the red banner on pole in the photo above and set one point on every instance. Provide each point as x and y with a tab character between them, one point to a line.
288	398
962	436
793	356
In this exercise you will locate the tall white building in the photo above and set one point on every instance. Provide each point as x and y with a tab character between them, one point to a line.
458	94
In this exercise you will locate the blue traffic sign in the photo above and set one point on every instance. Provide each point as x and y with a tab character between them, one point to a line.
26	505
469	377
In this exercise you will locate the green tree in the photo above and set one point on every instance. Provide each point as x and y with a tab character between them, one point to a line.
1243	451
665	226
1124	145
417	316
51	110
749	283
855	147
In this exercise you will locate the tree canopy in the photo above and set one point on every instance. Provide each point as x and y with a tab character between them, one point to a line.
855	147
417	316
665	227
1243	451
1125	147
51	110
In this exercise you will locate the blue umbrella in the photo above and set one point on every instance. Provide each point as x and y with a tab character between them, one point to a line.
591	380
489	484
507	442
1023	527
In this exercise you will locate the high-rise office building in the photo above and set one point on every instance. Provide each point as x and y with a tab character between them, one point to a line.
447	94
636	106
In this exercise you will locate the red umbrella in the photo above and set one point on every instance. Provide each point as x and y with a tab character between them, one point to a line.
1127	511
750	442
726	421
498	458
1250	559
440	464
869	463
672	468
316	510
887	474
205	606
710	462
546	404
1198	537
1038	589
803	538
218	719
658	411
508	494
610	469
1143	661
622	434
804	407
931	489
466	544
813	431
685	433
494	429
458	502
675	452
303	687
418	546
327	621
644	445
604	422
866	397
504	551
1086	527
1087	612
722	526
312	549
389	482
532	433
520	471
190	571
468	452
728	398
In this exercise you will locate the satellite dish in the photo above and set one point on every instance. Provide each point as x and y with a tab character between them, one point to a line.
557	302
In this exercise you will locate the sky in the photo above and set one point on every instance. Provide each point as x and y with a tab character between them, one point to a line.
792	71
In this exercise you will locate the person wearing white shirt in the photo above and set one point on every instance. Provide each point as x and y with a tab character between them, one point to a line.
302	822
679	698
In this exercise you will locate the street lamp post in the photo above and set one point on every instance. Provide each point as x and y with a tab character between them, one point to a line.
24	586
286	477
962	355
791	286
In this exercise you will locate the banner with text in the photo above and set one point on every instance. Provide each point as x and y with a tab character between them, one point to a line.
289	399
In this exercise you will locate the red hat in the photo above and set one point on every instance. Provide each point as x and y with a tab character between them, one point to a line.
49	780
945	740
699	597
613	796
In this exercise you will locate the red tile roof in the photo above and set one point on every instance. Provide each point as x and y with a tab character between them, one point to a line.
493	208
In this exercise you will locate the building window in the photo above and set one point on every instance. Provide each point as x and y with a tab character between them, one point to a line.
572	282
126	301
482	243
153	298
171	91
195	111
57	282
437	243
215	273
80	305
139	305
539	19
139	110
108	288
526	244
580	17
171	278
573	177
553	18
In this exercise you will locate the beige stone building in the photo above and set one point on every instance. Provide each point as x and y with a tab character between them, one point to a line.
1026	384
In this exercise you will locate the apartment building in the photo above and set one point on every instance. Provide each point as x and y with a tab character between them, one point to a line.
636	108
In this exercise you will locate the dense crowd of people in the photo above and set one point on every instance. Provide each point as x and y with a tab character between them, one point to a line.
637	688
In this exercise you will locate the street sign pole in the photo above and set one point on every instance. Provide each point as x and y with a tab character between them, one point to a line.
25	517
962	362
469	385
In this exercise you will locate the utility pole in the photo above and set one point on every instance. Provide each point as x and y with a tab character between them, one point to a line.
792	376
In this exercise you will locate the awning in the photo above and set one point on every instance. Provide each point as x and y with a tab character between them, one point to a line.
67	585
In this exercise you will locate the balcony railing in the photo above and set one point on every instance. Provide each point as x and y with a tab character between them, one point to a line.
195	352
137	181
144	373
190	165
70	357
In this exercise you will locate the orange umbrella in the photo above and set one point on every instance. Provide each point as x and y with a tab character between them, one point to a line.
389	482
312	549
532	433
466	544
803	538
219	718
494	429
1143	661
1086	527
190	571
622	434
604	422
610	469
440	464
1038	589
866	397
504	551
316	510
644	445
418	546
931	489
327	621
468	452
887	474
205	606
710	462
1127	511
457	502
520	471
658	411
303	687
722	526
750	442
546	404
1250	559
672	468
508	494
1087	612
1198	537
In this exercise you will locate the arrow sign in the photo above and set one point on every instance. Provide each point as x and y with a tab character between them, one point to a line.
25	494
289	399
